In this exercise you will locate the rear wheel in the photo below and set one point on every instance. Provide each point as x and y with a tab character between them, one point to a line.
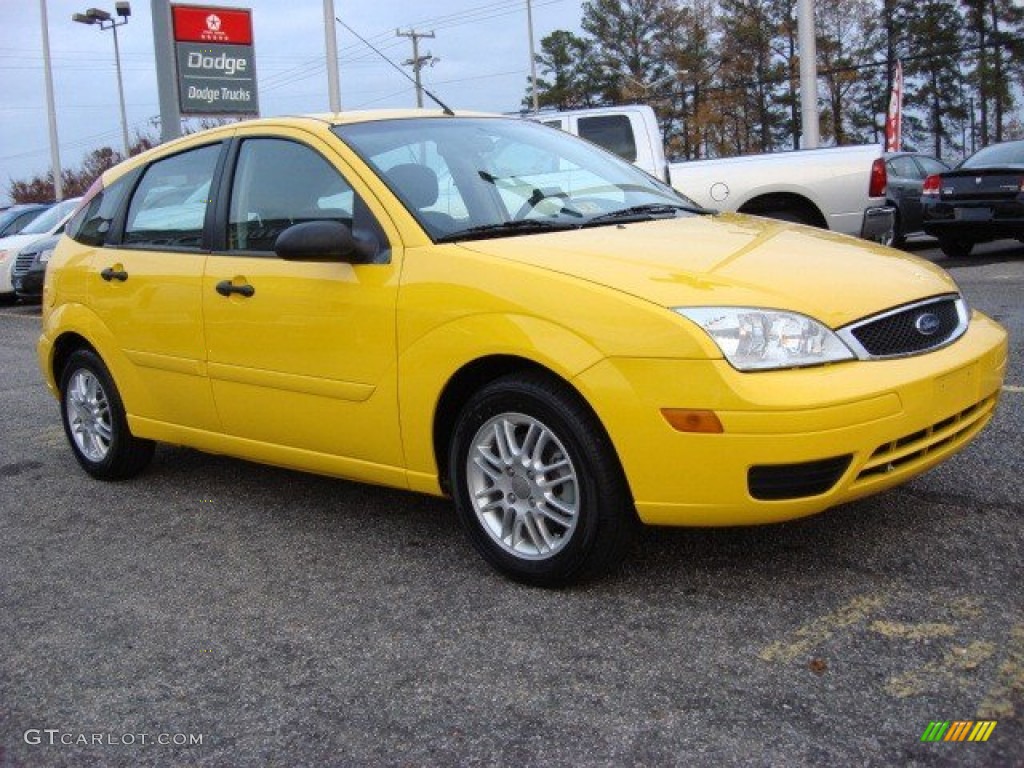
956	247
537	484
95	422
899	237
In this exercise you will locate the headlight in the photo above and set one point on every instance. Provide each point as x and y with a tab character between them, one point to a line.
44	256
754	339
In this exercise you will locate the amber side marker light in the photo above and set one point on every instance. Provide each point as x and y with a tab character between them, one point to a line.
687	420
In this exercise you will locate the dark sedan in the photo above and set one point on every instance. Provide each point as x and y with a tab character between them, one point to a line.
30	267
906	173
981	200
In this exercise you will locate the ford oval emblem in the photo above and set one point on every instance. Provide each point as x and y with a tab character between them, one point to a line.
927	323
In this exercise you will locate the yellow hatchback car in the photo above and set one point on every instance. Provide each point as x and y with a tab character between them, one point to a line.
491	309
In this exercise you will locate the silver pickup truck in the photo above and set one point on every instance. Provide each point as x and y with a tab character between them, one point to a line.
840	188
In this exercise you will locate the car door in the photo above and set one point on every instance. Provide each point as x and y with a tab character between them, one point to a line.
145	285
302	354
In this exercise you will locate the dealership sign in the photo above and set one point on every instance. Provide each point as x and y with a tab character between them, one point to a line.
216	64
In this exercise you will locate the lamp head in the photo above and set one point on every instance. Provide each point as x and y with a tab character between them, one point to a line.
82	18
123	9
97	15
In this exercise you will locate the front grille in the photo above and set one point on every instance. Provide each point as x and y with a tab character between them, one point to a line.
772	482
915	448
22	264
908	330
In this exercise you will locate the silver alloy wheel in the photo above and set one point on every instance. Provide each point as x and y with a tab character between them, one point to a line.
89	416
523	486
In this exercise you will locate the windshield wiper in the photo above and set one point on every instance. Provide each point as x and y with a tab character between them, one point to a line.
501	229
644	212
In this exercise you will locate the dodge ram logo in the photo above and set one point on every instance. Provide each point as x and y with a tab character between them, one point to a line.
927	323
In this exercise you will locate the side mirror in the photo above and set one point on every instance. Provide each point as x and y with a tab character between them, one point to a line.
323	240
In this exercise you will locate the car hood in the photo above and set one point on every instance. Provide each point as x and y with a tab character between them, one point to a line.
733	260
14	243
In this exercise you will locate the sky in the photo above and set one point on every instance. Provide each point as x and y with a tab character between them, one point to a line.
482	47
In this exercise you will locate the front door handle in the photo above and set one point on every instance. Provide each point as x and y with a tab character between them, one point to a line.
226	288
110	273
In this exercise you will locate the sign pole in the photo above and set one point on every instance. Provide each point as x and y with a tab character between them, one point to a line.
166	81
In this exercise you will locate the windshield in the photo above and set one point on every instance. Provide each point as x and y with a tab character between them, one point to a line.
49	220
463	177
997	156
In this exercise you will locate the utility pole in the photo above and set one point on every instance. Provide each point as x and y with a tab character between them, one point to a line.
533	58
417	61
808	75
331	43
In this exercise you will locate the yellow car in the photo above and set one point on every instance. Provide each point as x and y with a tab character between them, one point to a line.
491	309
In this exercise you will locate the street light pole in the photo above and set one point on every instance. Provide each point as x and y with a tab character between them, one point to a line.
106	21
120	94
58	181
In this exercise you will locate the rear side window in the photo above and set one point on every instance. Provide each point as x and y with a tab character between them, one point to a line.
168	209
904	167
931	165
613	132
91	225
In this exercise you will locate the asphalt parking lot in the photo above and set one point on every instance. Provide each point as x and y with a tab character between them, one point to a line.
252	616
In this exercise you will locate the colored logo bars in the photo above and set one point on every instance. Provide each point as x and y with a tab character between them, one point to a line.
959	730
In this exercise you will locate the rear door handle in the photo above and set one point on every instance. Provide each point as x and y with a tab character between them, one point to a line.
110	273
226	288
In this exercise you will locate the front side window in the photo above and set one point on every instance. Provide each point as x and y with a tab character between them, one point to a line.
279	183
91	225
168	208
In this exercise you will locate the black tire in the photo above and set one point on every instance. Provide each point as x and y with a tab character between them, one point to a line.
94	421
955	248
790	215
899	237
582	545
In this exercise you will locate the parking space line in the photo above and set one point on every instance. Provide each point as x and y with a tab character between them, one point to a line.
819	630
1012	388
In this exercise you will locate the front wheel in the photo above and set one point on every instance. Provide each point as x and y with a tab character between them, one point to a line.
537	484
95	422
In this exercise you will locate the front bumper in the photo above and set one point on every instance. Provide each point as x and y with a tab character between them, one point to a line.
893	418
30	285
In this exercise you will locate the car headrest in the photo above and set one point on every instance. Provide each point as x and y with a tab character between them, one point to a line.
417	183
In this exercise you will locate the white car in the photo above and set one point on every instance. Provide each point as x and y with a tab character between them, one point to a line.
47	224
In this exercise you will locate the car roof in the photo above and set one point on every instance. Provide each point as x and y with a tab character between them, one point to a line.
295	121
